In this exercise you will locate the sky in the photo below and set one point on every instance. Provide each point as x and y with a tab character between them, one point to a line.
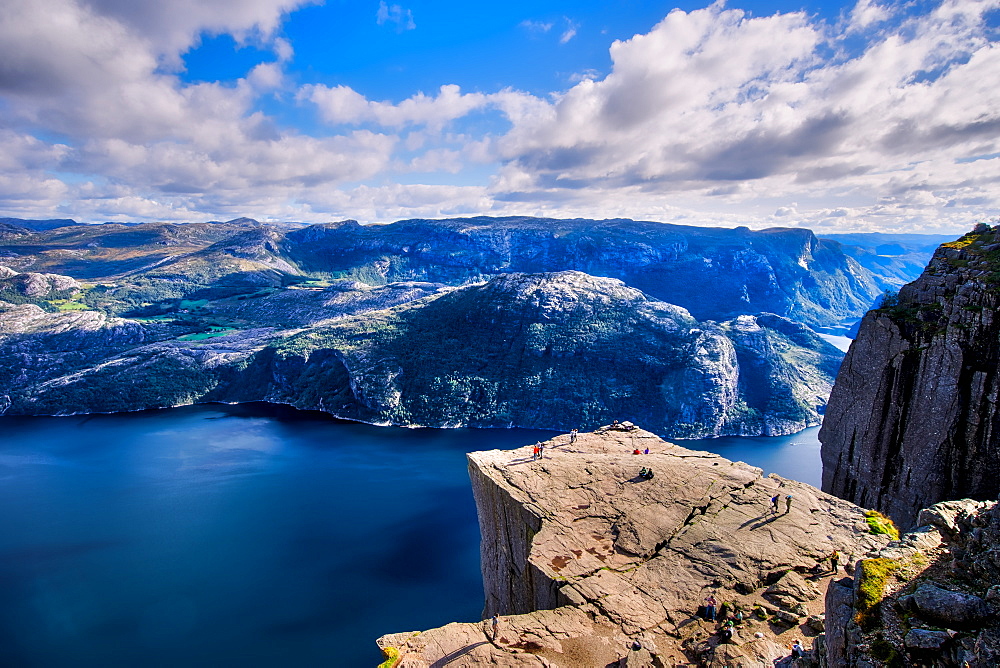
836	116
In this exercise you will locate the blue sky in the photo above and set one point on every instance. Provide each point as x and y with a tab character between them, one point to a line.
836	116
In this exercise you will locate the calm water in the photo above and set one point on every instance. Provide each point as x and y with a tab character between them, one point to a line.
247	535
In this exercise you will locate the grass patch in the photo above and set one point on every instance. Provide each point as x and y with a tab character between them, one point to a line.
193	303
881	525
391	657
69	305
874	575
210	334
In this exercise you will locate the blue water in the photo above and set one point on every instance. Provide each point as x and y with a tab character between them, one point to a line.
247	535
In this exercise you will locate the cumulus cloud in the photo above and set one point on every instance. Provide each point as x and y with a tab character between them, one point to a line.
867	13
712	117
344	105
92	73
715	96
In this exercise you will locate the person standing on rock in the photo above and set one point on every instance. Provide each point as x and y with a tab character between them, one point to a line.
788	503
534	452
496	626
541	451
572	436
774	504
710	604
834	561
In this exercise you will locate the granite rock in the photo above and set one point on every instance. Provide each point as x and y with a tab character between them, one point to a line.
580	538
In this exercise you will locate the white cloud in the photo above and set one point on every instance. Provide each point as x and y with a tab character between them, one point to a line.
712	117
867	13
713	97
395	14
343	105
536	26
570	31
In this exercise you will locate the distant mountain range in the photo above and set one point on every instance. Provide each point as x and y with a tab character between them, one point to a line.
484	321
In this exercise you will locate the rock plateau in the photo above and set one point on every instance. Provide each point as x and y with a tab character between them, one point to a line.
582	558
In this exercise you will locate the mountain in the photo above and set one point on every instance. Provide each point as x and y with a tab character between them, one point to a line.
912	419
544	350
894	259
39	225
560	350
714	273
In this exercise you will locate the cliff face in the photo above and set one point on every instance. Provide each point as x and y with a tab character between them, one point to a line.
559	350
913	416
581	557
929	600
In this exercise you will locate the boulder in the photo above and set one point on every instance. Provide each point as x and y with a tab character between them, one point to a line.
948	514
791	590
949	608
924	639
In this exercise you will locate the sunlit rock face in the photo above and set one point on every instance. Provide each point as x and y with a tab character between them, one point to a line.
582	557
912	418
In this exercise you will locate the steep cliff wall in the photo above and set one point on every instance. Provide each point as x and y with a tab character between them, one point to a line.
582	557
913	417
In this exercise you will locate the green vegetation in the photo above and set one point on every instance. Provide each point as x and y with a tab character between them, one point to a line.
192	303
883	651
391	657
880	524
213	332
69	304
874	576
966	240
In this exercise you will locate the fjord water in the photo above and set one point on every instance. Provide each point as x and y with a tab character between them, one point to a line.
247	535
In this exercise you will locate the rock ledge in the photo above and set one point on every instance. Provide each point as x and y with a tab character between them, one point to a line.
582	558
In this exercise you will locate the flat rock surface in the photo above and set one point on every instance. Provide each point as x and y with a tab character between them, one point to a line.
632	559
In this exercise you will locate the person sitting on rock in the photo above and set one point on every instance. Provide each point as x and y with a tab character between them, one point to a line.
649	474
798	651
636	452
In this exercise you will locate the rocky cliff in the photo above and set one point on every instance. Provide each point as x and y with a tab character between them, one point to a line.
545	350
587	563
930	599
913	417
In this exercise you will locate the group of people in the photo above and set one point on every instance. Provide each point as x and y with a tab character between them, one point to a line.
774	503
728	629
538	452
645	473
